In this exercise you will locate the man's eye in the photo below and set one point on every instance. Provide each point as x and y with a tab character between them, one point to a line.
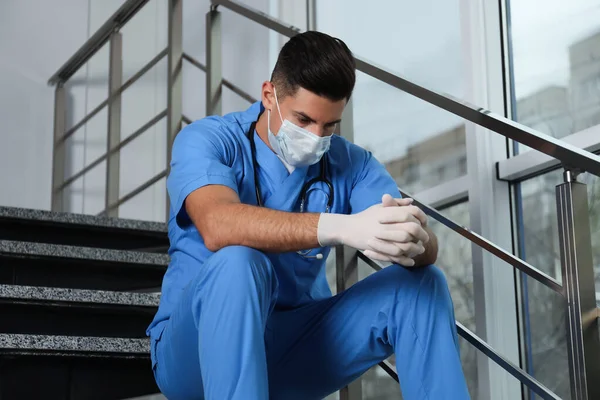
304	121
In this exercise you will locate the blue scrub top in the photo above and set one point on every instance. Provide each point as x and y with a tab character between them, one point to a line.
216	151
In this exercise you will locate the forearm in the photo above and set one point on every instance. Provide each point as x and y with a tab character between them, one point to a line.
260	228
431	251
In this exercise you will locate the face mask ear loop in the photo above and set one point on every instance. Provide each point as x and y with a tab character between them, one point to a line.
277	102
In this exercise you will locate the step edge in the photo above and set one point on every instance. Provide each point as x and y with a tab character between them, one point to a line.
83	220
86	344
68	296
35	249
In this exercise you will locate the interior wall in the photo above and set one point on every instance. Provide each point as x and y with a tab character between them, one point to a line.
36	38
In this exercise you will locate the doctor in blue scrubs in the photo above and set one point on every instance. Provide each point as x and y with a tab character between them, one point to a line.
258	198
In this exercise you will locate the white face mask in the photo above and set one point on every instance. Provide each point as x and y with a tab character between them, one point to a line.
295	145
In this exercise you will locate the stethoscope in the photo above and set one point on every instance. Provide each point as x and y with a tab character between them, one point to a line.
303	193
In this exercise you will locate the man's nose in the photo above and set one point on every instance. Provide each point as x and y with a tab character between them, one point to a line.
318	130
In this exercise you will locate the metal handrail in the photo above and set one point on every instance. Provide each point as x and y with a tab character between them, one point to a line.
492	248
569	155
123	87
482	346
116	149
98	39
227	83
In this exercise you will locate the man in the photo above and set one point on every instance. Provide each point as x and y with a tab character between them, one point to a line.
257	199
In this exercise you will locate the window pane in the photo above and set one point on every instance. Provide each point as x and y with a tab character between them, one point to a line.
149	205
544	310
455	260
421	145
556	71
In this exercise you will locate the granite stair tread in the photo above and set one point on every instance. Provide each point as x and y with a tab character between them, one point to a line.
31	294
31	249
68	345
80	219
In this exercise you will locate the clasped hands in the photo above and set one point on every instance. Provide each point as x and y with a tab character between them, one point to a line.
393	231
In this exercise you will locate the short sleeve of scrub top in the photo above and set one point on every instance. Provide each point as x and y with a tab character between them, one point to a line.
201	156
371	182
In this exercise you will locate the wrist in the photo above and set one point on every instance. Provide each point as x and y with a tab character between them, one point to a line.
330	229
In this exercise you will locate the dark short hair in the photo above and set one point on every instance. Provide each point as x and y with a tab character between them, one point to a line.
316	62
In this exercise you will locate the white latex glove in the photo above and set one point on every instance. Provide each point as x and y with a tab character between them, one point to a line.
392	251
388	232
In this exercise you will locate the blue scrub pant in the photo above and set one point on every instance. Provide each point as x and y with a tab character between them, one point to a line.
224	339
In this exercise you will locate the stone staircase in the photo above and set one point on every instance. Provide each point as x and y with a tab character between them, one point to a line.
76	295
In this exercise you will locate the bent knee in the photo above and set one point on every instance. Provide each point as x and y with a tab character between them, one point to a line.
240	253
241	264
429	276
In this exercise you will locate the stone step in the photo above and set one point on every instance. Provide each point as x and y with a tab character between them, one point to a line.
76	312
41	264
21	224
73	346
67	367
76	297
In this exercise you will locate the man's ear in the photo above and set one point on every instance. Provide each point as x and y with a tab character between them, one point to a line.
268	95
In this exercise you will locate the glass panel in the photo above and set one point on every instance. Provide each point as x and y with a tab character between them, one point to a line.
556	71
73	197
94	186
149	205
194	89
144	36
87	144
544	310
194	30
143	158
421	145
144	99
88	87
245	57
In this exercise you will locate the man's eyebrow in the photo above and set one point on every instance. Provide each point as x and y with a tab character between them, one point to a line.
308	118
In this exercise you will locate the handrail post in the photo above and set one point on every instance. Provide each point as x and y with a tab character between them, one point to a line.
214	72
115	79
174	80
58	153
346	275
583	342
346	258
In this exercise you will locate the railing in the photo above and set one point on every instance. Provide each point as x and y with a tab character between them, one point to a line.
577	284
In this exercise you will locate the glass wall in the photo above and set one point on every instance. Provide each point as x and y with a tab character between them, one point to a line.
555	89
556	64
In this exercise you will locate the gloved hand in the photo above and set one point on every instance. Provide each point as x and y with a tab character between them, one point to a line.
384	231
392	251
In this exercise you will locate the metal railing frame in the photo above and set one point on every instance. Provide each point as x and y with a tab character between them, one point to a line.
572	210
